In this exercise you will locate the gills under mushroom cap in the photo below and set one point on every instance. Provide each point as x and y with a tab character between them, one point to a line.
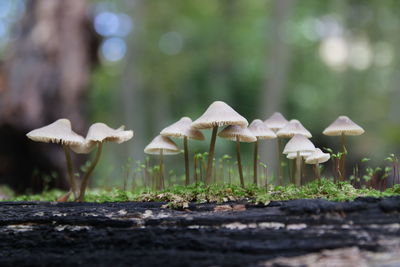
317	157
291	128
219	114
163	143
276	121
181	129
343	125
260	130
232	132
303	154
299	143
59	132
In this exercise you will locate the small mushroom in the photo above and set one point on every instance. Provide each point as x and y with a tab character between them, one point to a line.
182	129
299	143
60	132
275	123
98	134
316	158
261	131
162	145
217	114
238	134
291	128
343	126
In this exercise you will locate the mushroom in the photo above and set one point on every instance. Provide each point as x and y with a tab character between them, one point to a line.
161	145
298	144
60	132
343	126
98	134
316	158
261	131
275	123
291	128
217	114
182	129
238	134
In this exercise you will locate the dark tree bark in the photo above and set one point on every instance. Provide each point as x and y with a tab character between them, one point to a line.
45	75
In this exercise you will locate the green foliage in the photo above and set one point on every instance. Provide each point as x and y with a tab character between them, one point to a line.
180	196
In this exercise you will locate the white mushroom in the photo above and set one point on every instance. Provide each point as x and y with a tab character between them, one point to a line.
162	145
238	134
183	129
217	114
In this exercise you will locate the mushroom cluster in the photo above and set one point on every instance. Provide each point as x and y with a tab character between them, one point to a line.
60	132
218	114
298	148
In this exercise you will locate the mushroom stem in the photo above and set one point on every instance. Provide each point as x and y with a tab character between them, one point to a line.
279	150
85	179
211	155
342	166
161	169
185	146
70	171
255	162
298	169
239	162
196	180
317	173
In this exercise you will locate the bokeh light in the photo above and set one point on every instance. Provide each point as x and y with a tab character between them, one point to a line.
113	49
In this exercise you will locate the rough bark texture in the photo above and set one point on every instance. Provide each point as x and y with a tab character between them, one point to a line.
232	234
45	75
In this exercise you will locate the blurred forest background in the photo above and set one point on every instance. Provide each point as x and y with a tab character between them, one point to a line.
145	64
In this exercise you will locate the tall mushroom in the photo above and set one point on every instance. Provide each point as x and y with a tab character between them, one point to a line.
316	158
261	131
275	123
182	129
343	126
98	134
217	114
162	145
299	143
238	134
60	132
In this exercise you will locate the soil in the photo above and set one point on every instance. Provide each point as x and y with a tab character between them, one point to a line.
287	233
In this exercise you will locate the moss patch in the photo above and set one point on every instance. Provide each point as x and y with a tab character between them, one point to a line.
180	196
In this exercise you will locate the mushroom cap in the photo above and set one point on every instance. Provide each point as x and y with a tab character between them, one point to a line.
291	128
162	143
298	143
343	125
317	157
219	114
231	132
100	132
58	132
181	129
276	121
260	130
293	155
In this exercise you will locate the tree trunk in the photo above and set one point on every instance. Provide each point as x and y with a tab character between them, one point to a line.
278	59
45	77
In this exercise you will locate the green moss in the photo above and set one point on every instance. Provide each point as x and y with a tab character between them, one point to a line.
180	196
